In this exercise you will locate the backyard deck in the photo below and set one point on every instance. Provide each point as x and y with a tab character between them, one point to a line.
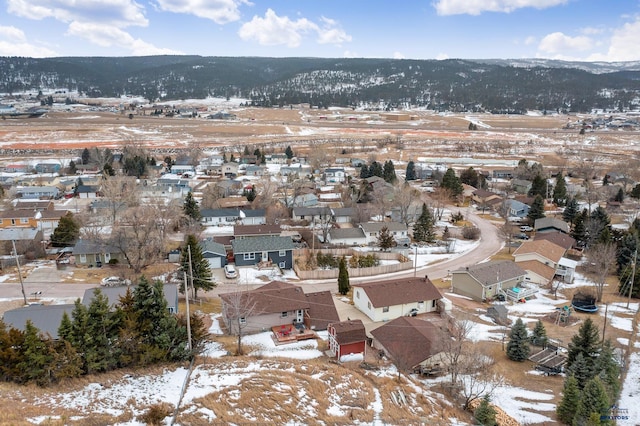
289	333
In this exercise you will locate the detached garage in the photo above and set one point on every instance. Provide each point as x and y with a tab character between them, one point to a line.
215	253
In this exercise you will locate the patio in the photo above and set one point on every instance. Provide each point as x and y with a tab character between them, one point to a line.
290	333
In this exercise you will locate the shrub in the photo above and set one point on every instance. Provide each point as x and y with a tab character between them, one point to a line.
156	414
470	233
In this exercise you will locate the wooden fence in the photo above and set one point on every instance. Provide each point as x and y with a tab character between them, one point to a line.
323	274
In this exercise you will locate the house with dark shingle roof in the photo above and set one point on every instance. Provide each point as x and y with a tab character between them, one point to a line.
88	252
550	224
389	299
272	305
46	318
541	259
485	280
346	236
249	231
214	252
322	310
251	251
347	338
409	341
558	238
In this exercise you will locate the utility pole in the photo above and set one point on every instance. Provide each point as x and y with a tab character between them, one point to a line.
186	294
415	263
15	253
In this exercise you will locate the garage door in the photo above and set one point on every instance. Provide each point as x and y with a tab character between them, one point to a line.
215	262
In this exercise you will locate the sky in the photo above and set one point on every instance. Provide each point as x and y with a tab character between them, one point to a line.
583	30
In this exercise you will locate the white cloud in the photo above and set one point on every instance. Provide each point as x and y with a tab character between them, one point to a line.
219	11
331	33
530	40
114	12
624	42
398	55
557	43
280	30
476	7
442	56
12	34
108	36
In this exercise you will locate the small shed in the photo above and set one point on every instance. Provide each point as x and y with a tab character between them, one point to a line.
499	314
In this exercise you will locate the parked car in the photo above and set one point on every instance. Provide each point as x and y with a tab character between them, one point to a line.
230	271
526	228
522	236
413	312
114	281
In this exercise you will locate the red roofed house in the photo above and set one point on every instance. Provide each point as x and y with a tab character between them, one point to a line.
386	300
347	338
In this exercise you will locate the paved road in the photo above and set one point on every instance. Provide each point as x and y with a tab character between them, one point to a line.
48	280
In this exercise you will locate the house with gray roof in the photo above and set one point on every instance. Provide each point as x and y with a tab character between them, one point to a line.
311	214
46	318
93	253
38	192
397	230
274	250
485	280
551	224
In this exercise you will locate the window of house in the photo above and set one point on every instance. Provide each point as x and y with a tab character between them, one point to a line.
24	220
243	320
83	258
357	294
282	253
13	221
433	303
369	305
282	265
284	315
385	309
249	256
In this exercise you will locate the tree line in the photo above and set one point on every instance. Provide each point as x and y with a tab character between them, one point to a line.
139	331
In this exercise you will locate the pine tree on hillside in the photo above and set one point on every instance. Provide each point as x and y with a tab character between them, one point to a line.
67	231
451	182
289	152
560	190
582	369
191	208
485	414
593	403
539	335
579	232
410	173
608	370
423	229
570	211
566	410
37	357
199	267
537	209
585	342
389	172
518	346
343	277
539	187
102	326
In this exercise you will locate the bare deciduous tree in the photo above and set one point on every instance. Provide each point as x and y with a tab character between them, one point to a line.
237	308
601	259
118	193
406	201
138	236
455	340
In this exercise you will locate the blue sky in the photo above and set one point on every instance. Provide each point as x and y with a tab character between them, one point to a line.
587	30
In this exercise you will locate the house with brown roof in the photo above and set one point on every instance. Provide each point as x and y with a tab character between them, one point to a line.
486	280
409	341
482	197
322	310
347	338
247	231
274	304
540	258
389	299
561	239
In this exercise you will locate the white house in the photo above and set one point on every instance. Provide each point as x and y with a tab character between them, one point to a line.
346	236
397	230
387	300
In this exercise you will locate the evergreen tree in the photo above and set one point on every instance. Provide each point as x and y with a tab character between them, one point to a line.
539	335
582	369
385	239
11	355
67	231
423	229
452	183
191	208
586	342
570	211
635	192
375	169
78	336
250	194
593	403
627	280
85	156
608	370
66	363
579	232
485	414
619	196
410	174
560	190
37	358
72	169
539	187
446	235
566	410
343	277
470	177
389	172
626	251
130	340
537	209
599	220
518	345
364	172
288	152
202	277
102	329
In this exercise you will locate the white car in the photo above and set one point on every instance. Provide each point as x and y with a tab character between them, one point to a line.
114	281
230	271
526	228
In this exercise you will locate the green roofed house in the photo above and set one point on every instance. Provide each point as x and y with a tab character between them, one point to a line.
252	251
